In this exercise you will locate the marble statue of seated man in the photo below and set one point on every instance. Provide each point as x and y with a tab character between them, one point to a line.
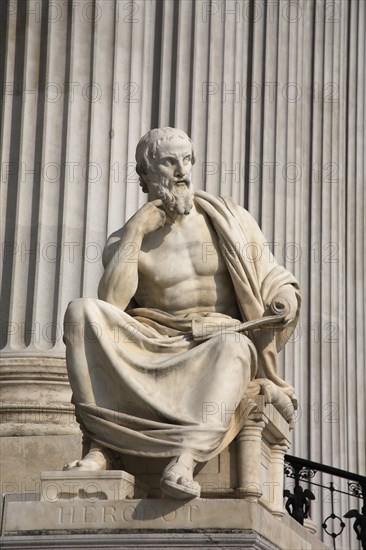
192	309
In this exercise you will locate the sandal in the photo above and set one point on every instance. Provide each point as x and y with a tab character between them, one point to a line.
177	482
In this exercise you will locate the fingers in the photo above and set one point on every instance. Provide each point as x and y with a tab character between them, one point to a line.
157	202
163	216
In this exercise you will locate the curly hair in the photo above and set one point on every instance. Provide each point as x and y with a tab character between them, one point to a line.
147	146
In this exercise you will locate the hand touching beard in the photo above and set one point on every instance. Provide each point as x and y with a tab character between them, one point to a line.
177	198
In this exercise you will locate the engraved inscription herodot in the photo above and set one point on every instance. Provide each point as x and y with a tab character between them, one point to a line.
200	308
107	515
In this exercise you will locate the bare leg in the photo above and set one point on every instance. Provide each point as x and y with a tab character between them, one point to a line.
177	479
96	459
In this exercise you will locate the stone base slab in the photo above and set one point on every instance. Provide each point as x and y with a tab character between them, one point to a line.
147	540
106	516
89	486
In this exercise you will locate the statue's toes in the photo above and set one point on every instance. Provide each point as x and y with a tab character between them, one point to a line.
189	483
182	488
71	465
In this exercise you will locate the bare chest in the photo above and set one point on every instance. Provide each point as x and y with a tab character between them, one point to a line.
174	254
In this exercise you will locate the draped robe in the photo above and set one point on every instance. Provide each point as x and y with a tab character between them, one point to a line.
144	383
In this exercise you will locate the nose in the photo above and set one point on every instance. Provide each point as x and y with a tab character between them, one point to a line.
179	169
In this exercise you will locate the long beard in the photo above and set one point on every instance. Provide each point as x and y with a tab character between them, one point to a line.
177	199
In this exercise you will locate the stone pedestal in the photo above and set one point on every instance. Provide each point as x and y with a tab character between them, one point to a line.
241	504
230	523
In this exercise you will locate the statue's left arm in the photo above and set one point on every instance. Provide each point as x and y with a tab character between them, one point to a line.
278	287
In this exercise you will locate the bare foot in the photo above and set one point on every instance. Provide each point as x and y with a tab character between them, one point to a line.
177	479
96	460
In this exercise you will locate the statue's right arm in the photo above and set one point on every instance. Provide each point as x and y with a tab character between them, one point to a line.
120	257
119	282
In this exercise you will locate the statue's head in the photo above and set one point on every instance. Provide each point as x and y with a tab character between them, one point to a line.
148	145
164	159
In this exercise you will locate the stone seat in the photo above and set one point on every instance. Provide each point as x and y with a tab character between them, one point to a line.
251	468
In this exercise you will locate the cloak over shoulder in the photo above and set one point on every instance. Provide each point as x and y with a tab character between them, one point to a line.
256	276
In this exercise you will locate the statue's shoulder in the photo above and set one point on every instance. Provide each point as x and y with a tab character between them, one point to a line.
239	213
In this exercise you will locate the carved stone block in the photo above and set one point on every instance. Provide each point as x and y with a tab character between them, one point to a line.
91	486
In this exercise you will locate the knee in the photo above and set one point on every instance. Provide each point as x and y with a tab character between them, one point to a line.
235	342
238	346
75	318
77	309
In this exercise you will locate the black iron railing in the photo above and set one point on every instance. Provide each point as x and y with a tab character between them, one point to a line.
298	502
